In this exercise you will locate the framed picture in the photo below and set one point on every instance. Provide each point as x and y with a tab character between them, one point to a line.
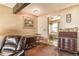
68	18
28	22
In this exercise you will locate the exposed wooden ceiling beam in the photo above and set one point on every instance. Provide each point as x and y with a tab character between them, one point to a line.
19	6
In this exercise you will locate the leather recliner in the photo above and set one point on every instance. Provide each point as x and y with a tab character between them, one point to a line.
12	46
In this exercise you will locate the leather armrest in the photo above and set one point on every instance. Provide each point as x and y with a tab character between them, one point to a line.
18	53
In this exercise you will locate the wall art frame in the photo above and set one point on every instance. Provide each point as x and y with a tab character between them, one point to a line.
68	18
27	22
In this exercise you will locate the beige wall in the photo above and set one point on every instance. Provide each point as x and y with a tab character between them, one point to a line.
28	31
42	26
13	24
8	21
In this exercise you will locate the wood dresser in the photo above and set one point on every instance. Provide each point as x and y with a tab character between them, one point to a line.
68	41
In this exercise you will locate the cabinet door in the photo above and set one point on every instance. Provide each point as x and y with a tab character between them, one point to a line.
60	45
73	44
68	44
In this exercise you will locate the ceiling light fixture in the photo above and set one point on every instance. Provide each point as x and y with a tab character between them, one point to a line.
35	11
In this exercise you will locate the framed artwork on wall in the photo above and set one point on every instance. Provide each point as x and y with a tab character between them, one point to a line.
68	18
27	23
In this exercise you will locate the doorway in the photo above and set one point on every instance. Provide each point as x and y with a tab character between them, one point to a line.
53	29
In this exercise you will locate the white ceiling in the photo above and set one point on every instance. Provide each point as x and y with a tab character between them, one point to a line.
11	5
45	8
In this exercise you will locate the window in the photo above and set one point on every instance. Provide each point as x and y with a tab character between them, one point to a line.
53	27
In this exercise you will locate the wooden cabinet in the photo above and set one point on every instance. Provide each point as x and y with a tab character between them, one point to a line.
68	41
